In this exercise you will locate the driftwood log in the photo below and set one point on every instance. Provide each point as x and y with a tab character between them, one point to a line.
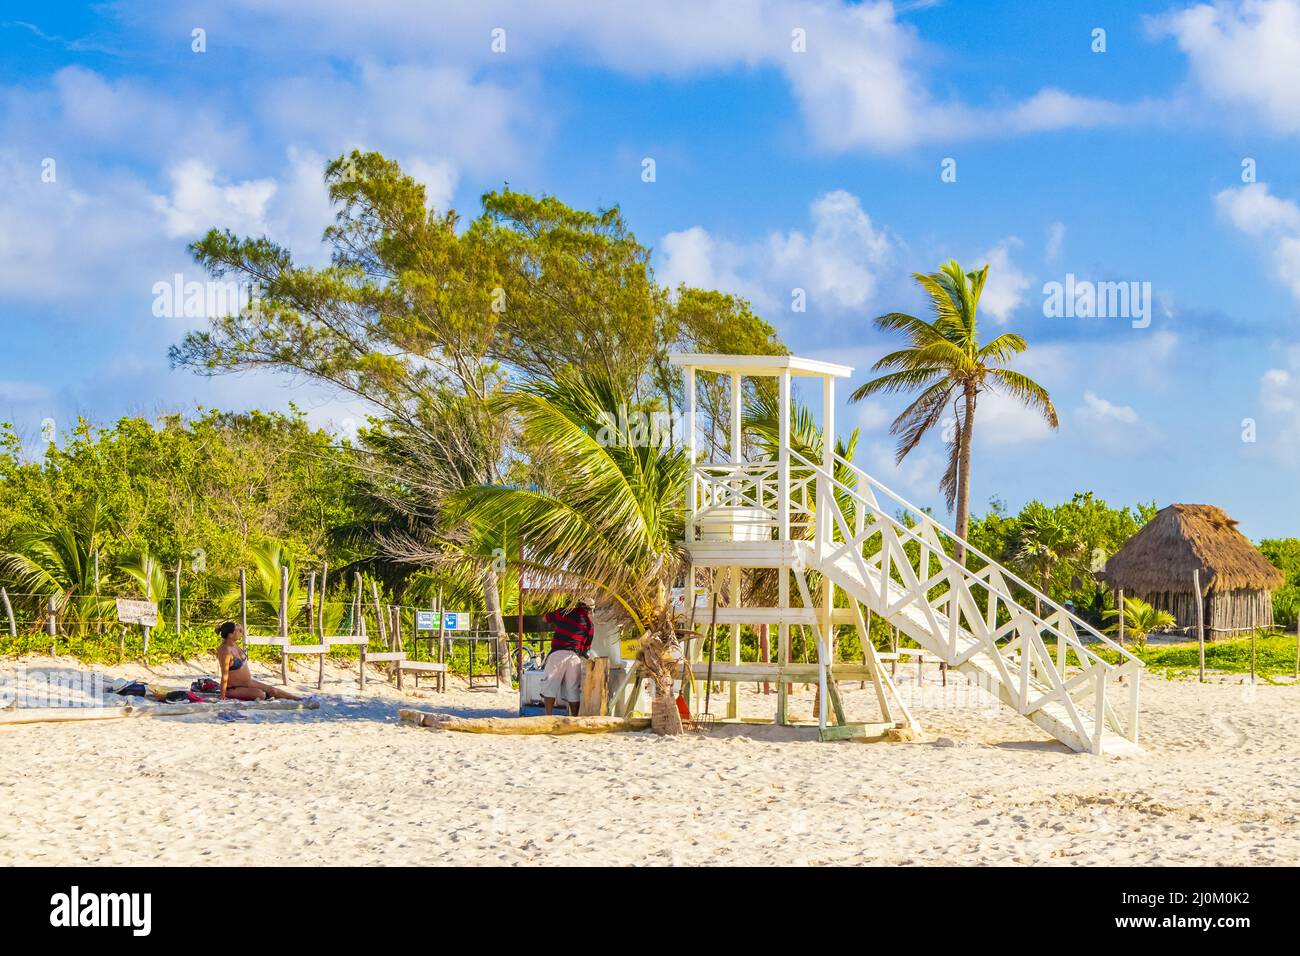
39	715
523	725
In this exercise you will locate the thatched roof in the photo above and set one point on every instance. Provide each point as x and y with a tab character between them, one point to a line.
1184	538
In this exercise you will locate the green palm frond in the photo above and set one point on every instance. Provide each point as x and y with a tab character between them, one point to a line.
263	586
1028	392
611	513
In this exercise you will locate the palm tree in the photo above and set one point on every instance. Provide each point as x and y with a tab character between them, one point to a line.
1043	542
146	571
1140	619
945	361
60	562
606	513
263	586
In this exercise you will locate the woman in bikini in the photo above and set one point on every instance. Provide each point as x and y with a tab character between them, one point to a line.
236	681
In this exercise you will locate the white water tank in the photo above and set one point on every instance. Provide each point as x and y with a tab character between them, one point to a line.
735	524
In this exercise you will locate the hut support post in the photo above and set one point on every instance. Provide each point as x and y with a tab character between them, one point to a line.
1200	620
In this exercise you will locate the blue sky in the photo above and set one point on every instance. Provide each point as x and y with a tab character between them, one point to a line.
775	170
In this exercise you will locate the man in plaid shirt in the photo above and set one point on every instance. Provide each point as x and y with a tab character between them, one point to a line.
562	670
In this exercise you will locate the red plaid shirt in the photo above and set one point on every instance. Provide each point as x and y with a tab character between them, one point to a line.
573	630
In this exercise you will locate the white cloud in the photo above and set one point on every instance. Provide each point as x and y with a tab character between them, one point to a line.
1279	396
838	262
916	477
79	110
439	177
1052	109
695	258
1275	222
1098	409
1002	420
1256	211
1277	391
1055	241
1160	345
861	83
85	235
872	416
198	202
1004	290
23	392
406	109
1244	56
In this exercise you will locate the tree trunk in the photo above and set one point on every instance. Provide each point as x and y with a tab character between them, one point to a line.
963	475
497	624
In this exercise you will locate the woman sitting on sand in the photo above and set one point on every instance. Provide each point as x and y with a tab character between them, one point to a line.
236	681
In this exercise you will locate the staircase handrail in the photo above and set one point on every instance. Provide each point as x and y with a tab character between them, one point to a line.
968	574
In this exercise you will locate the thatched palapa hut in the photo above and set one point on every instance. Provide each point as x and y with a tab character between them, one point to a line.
1237	582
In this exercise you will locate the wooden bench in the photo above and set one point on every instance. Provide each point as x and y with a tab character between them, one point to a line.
288	649
439	671
397	658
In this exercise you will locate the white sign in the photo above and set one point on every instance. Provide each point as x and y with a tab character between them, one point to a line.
426	621
137	612
455	620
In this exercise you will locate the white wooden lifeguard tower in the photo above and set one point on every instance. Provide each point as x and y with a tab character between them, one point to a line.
827	526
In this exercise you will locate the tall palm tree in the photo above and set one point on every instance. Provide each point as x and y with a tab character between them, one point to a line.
945	361
606	513
1042	543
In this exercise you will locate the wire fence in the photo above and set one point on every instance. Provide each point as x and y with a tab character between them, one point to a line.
87	627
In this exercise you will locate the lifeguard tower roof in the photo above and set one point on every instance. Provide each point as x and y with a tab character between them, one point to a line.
760	364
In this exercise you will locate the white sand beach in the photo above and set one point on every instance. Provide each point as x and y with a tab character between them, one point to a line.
1218	783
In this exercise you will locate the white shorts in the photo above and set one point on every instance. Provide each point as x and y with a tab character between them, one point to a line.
562	675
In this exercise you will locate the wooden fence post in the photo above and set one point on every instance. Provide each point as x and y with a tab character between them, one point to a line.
379	614
320	615
243	604
442	633
284	624
52	625
1200	620
359	625
1252	656
178	597
311	604
9	613
148	596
